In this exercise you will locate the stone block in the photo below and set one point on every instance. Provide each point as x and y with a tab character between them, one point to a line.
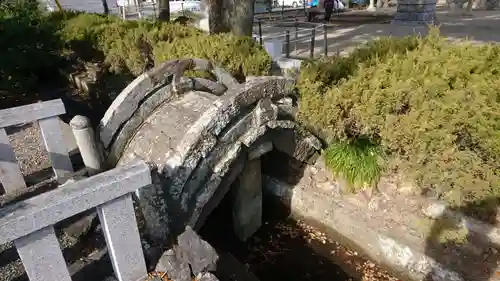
247	201
175	269
274	48
415	12
195	251
207	277
265	111
259	150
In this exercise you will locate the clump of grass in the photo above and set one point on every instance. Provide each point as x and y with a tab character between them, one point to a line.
358	162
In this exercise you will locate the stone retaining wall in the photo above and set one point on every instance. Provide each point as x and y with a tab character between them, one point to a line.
398	228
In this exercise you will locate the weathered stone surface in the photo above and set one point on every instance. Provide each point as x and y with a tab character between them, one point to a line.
166	128
206	85
415	12
128	100
232	133
153	200
207	277
211	185
225	78
125	132
82	226
299	144
198	143
197	252
247	201
259	150
175	269
235	170
265	111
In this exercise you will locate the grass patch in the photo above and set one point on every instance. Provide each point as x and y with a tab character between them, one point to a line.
358	162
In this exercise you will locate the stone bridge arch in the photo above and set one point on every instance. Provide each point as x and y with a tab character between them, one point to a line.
199	135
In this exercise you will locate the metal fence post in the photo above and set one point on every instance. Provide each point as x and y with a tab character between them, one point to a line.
287	43
313	39
260	32
296	34
85	140
325	40
283	10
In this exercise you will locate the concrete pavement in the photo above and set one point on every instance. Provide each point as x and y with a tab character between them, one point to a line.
481	27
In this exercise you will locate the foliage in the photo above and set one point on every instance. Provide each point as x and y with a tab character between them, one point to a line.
432	106
357	162
131	46
28	48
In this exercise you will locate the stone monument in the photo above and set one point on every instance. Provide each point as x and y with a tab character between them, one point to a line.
415	12
227	16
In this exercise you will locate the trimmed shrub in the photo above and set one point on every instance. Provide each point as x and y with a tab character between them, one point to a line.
133	46
432	107
28	47
34	44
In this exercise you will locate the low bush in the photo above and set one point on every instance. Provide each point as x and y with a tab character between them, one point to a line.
133	46
29	50
34	43
431	106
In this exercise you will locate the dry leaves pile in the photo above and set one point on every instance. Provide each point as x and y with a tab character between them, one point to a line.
367	270
159	276
349	261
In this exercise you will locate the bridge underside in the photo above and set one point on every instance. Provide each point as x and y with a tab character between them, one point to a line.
205	139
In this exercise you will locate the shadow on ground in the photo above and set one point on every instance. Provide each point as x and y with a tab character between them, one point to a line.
462	244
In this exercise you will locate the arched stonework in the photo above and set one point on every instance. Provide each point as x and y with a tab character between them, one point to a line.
198	134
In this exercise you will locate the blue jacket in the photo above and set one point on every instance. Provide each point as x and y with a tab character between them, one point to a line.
313	3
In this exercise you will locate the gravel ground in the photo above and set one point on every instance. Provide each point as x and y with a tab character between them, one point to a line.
27	142
11	267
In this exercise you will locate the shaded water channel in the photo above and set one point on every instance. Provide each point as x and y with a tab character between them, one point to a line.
283	249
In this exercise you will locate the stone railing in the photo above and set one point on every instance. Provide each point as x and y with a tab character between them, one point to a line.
46	114
30	223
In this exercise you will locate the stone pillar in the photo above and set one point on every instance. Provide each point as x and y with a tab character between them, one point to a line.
247	201
227	16
86	142
415	12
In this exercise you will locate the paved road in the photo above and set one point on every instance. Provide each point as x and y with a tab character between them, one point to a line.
342	38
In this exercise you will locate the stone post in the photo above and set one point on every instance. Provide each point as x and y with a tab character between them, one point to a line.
415	12
227	16
85	140
247	201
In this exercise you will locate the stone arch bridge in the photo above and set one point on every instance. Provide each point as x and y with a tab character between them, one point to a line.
202	136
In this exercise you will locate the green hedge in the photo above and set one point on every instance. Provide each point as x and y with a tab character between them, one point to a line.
431	106
28	48
34	44
128	45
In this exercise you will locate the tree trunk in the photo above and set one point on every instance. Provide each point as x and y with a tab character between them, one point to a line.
164	10
234	16
59	7
105	6
469	6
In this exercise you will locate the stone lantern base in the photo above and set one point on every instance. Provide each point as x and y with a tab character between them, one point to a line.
415	12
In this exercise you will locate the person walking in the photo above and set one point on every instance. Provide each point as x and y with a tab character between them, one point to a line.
329	6
312	5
